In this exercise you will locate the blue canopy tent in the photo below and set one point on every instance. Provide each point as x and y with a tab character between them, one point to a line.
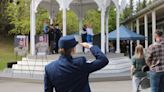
125	34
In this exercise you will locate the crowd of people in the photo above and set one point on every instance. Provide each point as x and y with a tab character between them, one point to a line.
69	74
150	64
87	34
54	34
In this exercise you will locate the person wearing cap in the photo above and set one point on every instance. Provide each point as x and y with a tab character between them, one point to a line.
70	74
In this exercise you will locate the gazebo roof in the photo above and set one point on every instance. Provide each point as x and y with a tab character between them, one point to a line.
78	6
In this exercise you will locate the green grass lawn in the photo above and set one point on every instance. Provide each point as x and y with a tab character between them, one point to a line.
6	51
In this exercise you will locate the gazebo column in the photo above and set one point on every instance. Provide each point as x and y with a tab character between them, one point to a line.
107	31
64	6
153	25
103	4
118	32
116	2
32	28
103	30
138	29
146	30
64	22
33	10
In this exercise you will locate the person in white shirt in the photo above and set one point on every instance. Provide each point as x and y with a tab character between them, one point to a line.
89	34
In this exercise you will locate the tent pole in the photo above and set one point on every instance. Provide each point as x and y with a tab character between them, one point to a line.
131	48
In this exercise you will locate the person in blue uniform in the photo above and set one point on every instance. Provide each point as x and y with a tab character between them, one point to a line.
68	73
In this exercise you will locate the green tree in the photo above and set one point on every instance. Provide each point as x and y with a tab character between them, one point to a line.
41	17
72	21
4	21
128	11
131	6
93	17
19	16
144	3
112	18
141	5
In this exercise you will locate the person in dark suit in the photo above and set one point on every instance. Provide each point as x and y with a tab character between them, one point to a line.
68	74
51	35
84	35
58	34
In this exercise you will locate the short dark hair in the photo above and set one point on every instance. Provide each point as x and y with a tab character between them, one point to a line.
159	32
57	25
51	25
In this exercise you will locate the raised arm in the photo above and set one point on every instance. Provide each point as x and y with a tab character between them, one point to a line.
149	56
101	59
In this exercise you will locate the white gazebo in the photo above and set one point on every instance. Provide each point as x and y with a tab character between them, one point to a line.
79	7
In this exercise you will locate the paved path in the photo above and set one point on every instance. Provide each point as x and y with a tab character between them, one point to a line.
110	86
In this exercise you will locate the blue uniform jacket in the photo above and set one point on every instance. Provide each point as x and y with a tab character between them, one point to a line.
69	74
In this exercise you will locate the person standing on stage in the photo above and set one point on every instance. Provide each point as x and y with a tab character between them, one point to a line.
84	35
58	34
51	35
89	33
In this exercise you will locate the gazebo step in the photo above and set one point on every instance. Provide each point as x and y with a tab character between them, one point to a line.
37	60
28	72
36	66
32	63
113	70
119	66
28	68
108	69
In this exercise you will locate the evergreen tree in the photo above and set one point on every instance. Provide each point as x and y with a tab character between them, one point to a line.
144	3
131	6
19	16
4	21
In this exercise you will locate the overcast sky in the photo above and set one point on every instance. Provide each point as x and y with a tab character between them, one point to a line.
135	2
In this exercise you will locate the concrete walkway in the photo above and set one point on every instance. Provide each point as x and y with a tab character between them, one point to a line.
110	86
